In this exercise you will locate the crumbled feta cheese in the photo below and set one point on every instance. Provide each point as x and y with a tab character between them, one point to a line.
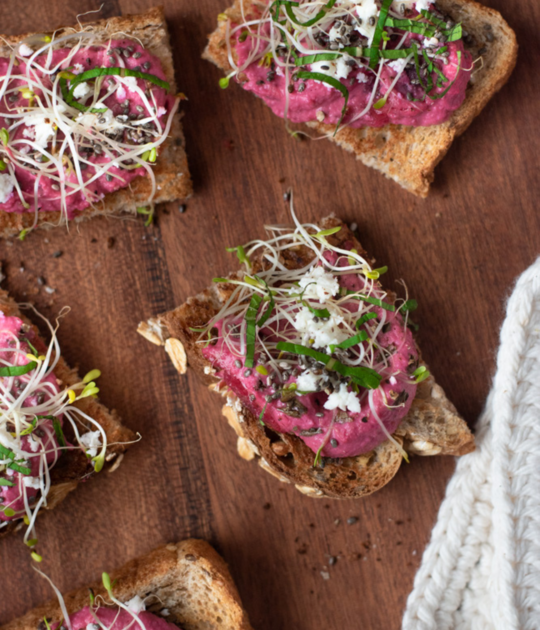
319	284
6	187
33	444
81	90
77	68
307	381
42	127
136	605
129	82
344	400
31	482
25	50
91	441
398	65
362	78
431	42
92	626
392	380
423	5
165	612
368	15
323	332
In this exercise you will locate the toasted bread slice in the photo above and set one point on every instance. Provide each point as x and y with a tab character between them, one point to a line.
432	426
171	170
409	155
73	465
188	582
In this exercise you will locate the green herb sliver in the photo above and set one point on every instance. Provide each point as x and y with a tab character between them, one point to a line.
352	341
377	37
362	376
251	322
17	370
372	300
6	482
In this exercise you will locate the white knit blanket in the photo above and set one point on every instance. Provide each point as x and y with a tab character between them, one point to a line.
481	570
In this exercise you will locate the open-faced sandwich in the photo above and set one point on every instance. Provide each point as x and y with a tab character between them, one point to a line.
393	81
324	383
184	586
53	431
89	123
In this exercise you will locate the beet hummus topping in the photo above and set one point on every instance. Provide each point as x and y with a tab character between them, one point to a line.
312	345
35	410
360	63
115	614
79	118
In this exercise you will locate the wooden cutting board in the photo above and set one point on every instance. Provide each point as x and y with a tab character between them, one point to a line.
300	563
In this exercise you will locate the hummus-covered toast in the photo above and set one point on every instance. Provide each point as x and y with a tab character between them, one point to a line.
89	123
393	81
323	381
182	586
53	431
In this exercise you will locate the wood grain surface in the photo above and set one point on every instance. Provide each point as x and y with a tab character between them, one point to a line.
298	564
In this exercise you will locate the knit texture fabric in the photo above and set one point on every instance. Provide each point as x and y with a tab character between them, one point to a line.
481	570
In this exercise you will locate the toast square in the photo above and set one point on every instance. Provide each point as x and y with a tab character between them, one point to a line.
432	427
188	582
171	170
409	155
73	466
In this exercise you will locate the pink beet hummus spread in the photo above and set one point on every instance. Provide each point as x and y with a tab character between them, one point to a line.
125	106
118	619
343	433
304	100
43	438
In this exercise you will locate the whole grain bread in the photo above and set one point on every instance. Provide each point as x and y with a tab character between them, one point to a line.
409	155
73	466
171	171
432	426
188	581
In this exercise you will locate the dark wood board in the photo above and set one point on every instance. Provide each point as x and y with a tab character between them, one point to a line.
459	252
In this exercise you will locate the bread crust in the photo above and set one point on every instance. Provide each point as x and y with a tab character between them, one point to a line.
189	579
409	155
171	171
432	426
73	466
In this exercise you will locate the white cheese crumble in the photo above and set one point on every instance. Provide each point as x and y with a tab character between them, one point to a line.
81	90
307	381
42	127
25	50
33	444
136	605
91	441
77	68
368	15
31	482
398	65
431	42
323	332
338	69
319	284
6	187
423	5
362	78
344	400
